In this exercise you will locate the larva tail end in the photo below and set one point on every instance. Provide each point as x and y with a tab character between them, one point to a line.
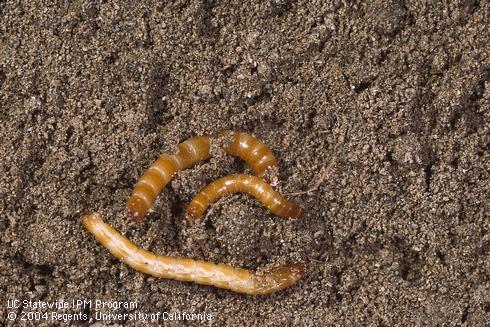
193	211
280	278
289	274
295	212
137	208
297	269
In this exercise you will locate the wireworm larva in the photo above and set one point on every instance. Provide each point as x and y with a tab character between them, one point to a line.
262	191
200	272
243	145
257	155
161	172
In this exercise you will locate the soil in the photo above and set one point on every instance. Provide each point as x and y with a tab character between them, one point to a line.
378	112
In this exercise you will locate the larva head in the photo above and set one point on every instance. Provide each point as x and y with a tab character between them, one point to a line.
137	208
194	211
88	220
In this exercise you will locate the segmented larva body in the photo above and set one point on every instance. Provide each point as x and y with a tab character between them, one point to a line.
262	191
161	172
257	155
200	272
149	186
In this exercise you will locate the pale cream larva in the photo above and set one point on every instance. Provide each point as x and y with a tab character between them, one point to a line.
200	272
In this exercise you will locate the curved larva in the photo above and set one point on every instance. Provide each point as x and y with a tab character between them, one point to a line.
275	202
257	155
200	272
161	172
243	145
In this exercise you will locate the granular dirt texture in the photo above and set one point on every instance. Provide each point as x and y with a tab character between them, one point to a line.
378	112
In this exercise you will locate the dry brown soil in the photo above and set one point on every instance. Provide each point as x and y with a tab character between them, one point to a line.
389	101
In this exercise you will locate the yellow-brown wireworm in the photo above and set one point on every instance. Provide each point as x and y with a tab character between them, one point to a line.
200	272
255	153
161	172
262	191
